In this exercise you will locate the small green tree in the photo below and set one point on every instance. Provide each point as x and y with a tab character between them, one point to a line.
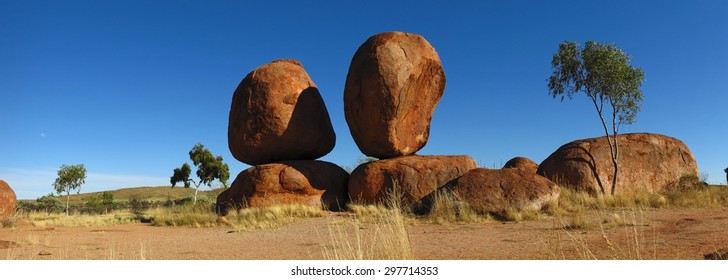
70	177
209	168
726	175
603	73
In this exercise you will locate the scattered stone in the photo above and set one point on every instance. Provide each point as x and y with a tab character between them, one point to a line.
306	182
277	113
8	201
522	163
497	190
415	177
395	80
647	162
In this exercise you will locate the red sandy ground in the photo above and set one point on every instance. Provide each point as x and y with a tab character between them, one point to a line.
660	234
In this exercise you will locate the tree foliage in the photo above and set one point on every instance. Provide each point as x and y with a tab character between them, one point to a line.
602	72
70	177
209	169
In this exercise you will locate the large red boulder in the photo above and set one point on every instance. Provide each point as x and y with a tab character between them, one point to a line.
414	176
308	182
395	80
8	201
647	162
277	113
522	163
496	191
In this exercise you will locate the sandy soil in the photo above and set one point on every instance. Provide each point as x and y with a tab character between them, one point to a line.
661	234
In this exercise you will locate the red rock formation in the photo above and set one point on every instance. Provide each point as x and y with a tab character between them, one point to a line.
496	190
289	182
8	201
415	176
395	80
278	114
522	163
647	162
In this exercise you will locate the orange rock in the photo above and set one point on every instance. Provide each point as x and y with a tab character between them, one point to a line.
647	162
277	113
522	163
415	176
8	201
306	182
395	80
495	190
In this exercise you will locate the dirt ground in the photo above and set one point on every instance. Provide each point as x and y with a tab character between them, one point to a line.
656	234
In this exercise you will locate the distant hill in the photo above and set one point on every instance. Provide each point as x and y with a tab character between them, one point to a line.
159	193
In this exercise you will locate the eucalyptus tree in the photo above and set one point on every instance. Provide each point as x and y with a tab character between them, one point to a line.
209	168
602	72
70	177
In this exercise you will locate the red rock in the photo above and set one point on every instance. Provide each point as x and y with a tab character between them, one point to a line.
496	190
395	80
277	113
8	201
289	182
647	162
416	176
522	163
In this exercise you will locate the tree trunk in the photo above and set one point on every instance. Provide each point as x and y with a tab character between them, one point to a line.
615	162
194	200
68	196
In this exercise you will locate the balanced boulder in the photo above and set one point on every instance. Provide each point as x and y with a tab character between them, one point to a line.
8	201
277	113
395	80
498	190
408	177
522	163
647	162
308	182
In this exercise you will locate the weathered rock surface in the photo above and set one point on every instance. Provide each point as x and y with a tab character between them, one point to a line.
496	190
647	162
395	80
8	201
415	176
277	113
522	163
306	182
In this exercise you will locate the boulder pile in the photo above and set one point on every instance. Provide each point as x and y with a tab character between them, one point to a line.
8	201
279	124
394	83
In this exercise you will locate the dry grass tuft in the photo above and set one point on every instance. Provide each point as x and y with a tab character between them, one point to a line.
43	219
241	220
373	232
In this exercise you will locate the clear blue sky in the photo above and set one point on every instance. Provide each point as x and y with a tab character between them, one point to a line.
128	87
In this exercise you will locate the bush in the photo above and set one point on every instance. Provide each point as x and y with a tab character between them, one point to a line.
99	204
47	203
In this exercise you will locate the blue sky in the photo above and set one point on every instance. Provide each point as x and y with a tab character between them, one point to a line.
128	87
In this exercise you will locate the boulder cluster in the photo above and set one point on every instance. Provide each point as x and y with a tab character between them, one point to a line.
280	126
8	201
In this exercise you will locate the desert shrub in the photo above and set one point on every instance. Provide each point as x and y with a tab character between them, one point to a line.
138	206
98	204
47	203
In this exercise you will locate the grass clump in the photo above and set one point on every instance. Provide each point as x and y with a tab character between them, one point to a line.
379	231
44	219
270	217
246	219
